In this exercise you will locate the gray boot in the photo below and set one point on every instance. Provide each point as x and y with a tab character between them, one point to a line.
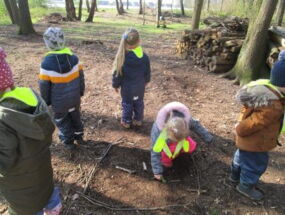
250	191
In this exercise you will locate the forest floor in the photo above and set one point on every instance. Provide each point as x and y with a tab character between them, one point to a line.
196	184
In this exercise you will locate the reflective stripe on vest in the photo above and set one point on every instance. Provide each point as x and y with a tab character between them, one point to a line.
161	144
138	51
62	51
266	82
23	94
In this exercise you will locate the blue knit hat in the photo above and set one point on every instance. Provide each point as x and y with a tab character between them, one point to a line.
277	76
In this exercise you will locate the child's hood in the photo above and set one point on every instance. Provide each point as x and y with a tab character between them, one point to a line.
255	96
133	58
35	126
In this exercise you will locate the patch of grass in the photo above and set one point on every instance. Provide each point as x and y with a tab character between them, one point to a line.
37	13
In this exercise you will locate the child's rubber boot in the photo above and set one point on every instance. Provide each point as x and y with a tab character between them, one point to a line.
235	174
250	191
137	123
125	125
80	140
70	145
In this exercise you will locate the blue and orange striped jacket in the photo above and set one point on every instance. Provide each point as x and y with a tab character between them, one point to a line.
61	80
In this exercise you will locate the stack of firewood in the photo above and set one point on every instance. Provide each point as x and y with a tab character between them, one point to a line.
216	47
276	44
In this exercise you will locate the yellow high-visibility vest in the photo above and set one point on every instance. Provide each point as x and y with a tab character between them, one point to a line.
23	94
161	144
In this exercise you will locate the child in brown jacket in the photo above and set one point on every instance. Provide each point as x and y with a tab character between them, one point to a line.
258	129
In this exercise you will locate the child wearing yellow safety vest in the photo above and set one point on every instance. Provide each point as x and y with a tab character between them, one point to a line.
26	128
131	73
170	136
257	130
62	85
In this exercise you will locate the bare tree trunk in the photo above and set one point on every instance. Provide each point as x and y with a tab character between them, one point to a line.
88	6
251	60
118	7
158	13
80	10
280	12
15	11
70	10
182	7
143	12
197	13
26	25
208	5
92	11
96	6
121	7
141	7
222	3
127	4
9	9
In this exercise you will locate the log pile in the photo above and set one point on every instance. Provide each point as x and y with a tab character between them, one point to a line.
276	44
216	47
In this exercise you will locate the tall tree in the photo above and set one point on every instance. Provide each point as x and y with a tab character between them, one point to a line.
80	10
88	6
197	14
128	4
70	10
141	7
182	7
208	5
9	9
25	22
121	6
15	11
280	12
92	11
158	12
251	61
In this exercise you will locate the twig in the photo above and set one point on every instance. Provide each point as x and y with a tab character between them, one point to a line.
125	169
104	205
91	174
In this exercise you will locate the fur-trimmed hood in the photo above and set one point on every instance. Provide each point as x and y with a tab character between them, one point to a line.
256	96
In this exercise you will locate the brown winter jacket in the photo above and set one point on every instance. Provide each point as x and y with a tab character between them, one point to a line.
260	120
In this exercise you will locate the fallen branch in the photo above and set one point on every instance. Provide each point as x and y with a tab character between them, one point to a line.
91	174
107	206
125	169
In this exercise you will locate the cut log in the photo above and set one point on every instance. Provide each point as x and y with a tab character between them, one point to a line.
277	34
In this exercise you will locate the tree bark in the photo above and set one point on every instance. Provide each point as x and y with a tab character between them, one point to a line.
80	10
197	14
118	6
9	9
15	11
280	12
92	11
88	6
121	7
252	58
127	4
158	13
182	7
141	7
26	25
70	10
208	5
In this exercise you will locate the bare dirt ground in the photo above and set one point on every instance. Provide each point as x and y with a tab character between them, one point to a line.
196	184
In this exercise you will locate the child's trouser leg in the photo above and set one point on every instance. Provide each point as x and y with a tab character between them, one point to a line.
235	168
138	110
77	124
53	207
253	165
64	123
127	112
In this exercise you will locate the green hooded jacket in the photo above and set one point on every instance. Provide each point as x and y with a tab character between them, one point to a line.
26	176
